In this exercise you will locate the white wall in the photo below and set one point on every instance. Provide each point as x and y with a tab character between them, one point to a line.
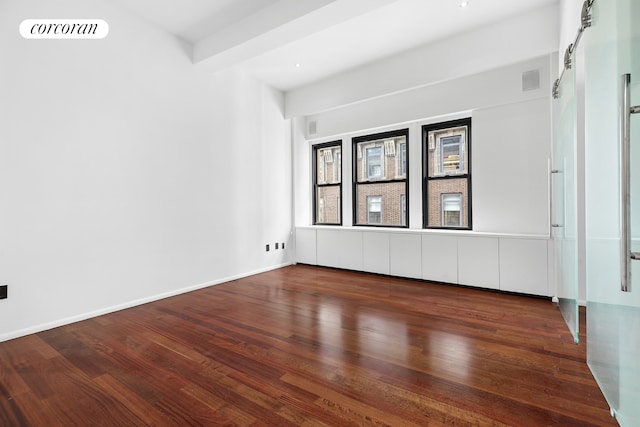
510	155
499	86
126	173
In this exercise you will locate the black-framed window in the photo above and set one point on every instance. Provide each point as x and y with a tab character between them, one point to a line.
327	179
380	184
447	175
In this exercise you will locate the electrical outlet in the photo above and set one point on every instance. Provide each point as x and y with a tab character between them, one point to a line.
282	245
267	248
276	245
3	291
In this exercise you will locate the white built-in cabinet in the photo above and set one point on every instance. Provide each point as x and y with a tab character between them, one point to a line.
306	246
479	262
376	253
504	262
338	249
440	258
405	255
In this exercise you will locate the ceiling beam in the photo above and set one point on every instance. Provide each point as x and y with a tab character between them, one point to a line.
275	26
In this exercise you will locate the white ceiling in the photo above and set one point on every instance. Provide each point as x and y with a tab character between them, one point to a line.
268	38
192	20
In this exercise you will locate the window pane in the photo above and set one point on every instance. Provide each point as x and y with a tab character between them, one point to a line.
328	205
447	203
328	165
381	159
381	179
447	174
389	205
447	151
327	158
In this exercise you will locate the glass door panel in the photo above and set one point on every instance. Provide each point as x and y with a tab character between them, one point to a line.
612	49
564	217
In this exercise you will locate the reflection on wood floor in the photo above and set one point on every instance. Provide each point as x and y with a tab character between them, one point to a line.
307	346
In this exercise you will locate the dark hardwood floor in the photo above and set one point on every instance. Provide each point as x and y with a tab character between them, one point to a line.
307	346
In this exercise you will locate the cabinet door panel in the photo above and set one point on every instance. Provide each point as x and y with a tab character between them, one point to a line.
340	249
406	255
440	258
523	266
376	253
478	262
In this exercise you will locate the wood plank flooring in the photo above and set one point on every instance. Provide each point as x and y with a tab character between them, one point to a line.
307	346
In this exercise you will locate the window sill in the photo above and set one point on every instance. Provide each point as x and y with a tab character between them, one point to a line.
421	231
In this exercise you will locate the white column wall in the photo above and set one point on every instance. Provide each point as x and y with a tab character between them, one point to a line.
128	174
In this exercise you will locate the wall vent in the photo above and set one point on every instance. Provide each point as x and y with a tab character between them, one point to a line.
530	80
312	127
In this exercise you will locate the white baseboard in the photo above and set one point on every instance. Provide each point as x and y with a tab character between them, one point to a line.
129	304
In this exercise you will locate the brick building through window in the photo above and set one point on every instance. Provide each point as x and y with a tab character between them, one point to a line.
380	176
447	174
327	164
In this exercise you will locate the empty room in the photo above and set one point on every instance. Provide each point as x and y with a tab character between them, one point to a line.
319	213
